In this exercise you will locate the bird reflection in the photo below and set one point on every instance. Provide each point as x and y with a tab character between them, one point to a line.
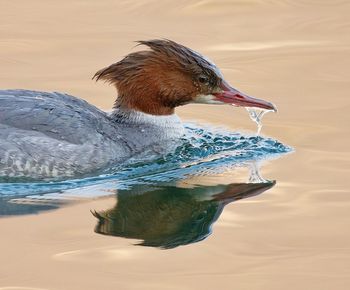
167	216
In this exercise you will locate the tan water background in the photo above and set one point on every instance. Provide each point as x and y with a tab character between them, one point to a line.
293	53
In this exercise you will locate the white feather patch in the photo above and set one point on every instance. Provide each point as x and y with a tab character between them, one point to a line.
207	99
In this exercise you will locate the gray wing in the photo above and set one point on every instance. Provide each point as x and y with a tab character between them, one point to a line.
44	135
56	115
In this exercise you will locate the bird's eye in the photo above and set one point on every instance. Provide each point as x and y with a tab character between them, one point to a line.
203	79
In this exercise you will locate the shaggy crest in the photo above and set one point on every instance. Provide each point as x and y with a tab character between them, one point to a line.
157	80
162	51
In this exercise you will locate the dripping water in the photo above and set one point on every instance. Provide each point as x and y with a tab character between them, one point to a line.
256	115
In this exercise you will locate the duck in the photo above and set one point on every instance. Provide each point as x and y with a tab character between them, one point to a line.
52	135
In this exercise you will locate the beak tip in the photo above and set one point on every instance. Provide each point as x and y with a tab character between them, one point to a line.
271	107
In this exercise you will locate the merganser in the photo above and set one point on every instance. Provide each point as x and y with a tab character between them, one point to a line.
54	135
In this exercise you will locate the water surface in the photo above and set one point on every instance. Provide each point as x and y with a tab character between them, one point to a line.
296	54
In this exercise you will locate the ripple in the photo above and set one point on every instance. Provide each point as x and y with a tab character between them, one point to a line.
252	46
20	288
203	151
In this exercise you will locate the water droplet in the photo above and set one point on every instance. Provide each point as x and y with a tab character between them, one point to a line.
256	115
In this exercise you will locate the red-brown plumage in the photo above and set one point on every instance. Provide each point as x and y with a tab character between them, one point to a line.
167	76
156	89
157	81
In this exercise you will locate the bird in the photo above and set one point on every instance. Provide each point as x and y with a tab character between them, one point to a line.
52	135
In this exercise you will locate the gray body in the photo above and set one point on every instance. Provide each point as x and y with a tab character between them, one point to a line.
54	135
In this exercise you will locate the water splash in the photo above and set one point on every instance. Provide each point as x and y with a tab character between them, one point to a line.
256	115
203	151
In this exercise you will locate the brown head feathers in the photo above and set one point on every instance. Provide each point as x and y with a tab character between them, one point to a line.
156	81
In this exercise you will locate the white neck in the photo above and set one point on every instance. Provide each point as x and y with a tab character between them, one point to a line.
160	127
140	118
